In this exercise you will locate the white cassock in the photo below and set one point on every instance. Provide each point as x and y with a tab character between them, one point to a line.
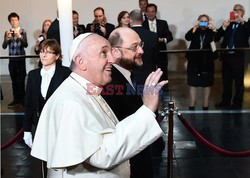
78	135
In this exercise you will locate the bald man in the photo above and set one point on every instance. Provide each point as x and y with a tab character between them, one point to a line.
78	134
127	49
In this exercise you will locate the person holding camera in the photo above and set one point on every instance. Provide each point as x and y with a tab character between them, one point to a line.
16	39
43	36
200	66
100	25
235	33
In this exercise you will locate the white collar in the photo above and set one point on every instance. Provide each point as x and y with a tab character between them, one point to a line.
49	72
126	73
17	29
136	26
154	21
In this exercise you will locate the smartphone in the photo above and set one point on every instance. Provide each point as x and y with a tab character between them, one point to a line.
203	24
232	16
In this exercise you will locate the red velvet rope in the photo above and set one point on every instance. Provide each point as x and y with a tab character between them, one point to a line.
210	145
12	140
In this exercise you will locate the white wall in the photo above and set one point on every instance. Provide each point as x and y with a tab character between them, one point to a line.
180	14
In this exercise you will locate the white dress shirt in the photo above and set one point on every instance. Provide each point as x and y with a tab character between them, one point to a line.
46	78
126	73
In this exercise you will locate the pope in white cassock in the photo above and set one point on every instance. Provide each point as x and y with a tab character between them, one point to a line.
78	135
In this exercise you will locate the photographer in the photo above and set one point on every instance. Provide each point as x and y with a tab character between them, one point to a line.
200	67
100	25
16	39
235	32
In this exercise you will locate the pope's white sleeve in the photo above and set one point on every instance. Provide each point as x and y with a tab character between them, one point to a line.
132	135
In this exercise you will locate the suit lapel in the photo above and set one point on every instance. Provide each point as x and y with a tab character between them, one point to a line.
54	83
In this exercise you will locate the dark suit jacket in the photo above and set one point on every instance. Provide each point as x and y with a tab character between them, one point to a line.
162	31
240	41
241	35
109	28
54	31
33	102
123	106
150	54
81	29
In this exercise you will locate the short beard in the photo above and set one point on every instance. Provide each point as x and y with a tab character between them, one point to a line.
128	64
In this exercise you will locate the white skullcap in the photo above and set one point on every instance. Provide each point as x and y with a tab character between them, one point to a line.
75	43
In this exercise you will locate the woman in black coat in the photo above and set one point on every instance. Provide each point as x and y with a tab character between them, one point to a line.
41	84
200	67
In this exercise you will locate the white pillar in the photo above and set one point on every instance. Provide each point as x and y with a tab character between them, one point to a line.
66	28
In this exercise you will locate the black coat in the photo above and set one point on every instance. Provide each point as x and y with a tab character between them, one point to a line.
80	28
33	99
199	62
241	37
150	55
109	28
163	32
54	31
124	105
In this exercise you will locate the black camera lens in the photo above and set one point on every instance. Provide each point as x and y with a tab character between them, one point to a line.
97	27
12	32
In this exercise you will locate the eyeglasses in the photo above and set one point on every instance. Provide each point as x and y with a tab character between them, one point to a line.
47	52
133	47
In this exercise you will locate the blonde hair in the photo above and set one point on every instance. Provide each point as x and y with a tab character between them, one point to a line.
47	20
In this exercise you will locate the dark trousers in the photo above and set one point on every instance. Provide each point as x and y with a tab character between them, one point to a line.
17	71
141	164
233	71
163	64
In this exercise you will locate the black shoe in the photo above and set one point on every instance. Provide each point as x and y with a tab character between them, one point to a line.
191	108
21	102
236	106
13	104
205	108
222	105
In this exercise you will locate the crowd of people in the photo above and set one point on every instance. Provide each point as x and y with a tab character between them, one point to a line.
83	130
200	68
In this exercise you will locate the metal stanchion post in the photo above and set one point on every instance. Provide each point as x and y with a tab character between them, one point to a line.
170	139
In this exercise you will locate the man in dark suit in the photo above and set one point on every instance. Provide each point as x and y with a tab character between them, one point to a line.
150	47
235	33
125	98
164	36
100	25
143	5
77	28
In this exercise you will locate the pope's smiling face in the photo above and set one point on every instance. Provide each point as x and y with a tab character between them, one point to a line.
99	61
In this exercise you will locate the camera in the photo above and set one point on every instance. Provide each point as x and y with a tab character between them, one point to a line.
41	38
203	24
96	27
12	32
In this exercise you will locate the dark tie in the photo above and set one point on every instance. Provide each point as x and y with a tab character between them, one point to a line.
231	41
145	16
133	78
